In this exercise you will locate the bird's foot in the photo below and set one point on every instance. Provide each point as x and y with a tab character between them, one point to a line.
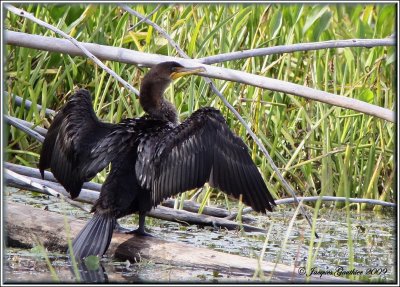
120	229
139	231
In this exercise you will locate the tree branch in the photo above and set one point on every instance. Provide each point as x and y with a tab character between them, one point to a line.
90	193
135	57
48	176
233	110
316	198
332	44
38	129
29	16
24	128
88	196
147	17
337	199
19	101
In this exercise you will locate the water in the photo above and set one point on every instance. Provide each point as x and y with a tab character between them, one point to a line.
373	235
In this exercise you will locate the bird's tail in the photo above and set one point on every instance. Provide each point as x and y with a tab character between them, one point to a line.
95	237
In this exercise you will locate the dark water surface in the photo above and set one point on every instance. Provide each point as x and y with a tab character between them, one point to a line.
373	235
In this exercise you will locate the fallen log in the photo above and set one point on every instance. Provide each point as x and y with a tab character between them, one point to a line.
193	206
91	186
9	120
25	224
160	212
34	172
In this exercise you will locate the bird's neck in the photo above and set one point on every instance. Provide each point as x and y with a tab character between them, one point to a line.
153	102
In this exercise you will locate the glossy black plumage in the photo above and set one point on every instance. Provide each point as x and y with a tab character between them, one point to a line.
152	158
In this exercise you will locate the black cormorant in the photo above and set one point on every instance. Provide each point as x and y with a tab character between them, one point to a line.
152	157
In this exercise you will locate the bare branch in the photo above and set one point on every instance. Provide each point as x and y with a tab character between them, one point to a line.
27	104
323	198
90	193
147	17
40	130
337	199
29	16
367	43
48	176
233	110
24	128
88	196
43	188
135	57
30	172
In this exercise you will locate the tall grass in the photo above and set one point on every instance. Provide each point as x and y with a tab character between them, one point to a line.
308	140
322	150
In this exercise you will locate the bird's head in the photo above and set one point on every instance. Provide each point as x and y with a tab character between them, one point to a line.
168	71
156	81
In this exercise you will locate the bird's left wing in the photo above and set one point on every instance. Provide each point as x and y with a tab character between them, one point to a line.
78	146
201	149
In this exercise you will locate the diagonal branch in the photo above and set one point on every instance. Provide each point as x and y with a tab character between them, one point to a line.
29	16
147	17
232	109
135	57
11	120
27	104
16	123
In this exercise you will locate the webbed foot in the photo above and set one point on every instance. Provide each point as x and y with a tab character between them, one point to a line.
139	231
120	229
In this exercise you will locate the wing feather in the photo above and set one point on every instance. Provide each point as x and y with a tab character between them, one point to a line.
78	146
202	149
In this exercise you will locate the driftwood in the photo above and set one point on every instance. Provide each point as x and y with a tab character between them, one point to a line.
89	196
24	128
134	57
187	216
193	206
27	104
26	224
49	177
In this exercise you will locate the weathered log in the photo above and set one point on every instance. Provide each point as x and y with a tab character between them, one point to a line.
11	121
26	224
160	212
193	206
183	216
188	205
39	129
86	195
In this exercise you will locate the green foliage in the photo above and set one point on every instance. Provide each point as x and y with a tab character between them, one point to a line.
307	139
92	262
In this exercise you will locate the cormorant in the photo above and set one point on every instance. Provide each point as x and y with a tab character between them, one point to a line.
152	157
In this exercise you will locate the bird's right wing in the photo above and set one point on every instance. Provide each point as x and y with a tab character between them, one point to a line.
201	149
77	145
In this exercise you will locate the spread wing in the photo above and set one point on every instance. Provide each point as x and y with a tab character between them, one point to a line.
77	145
201	149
